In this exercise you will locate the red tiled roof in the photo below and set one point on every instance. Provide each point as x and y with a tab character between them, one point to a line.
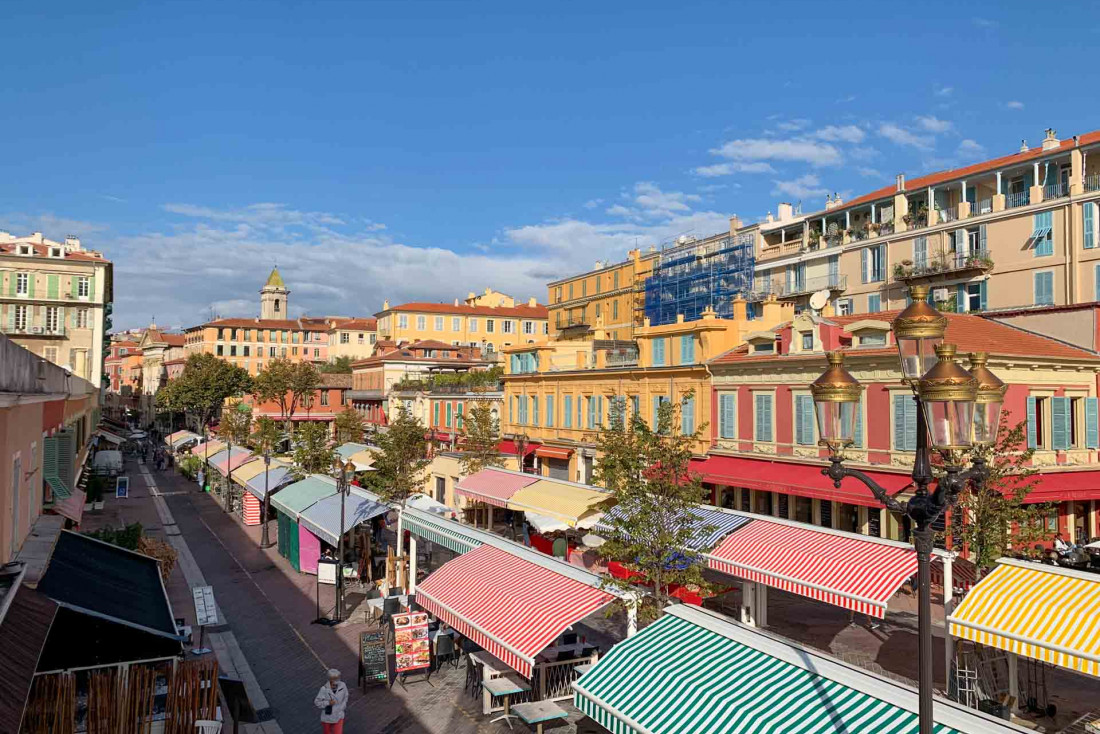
523	311
11	248
334	380
932	179
290	324
364	323
970	333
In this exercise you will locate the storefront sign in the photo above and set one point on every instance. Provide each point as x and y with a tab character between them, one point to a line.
411	644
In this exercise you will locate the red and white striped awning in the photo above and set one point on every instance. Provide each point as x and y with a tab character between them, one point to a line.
510	606
849	572
494	486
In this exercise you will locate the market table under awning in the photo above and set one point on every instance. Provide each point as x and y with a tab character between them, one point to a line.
848	571
1042	612
510	606
696	671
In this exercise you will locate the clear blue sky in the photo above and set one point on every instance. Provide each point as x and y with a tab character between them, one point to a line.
413	150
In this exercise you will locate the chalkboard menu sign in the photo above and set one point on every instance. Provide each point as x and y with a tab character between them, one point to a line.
373	658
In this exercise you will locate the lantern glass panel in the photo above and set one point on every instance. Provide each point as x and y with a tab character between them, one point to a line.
836	422
949	422
917	356
987	419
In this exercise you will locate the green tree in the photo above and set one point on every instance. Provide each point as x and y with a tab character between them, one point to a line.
646	471
349	426
401	459
286	384
169	400
480	433
338	366
205	384
313	452
235	425
266	436
995	520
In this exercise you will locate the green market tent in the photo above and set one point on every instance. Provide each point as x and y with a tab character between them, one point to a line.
290	502
696	671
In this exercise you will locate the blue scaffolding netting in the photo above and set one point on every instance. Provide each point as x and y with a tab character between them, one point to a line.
692	276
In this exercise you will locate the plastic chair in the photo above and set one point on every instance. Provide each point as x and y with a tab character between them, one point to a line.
445	648
569	638
566	655
206	726
390	607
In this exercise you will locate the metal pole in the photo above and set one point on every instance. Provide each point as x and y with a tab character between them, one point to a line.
340	485
922	539
229	476
265	540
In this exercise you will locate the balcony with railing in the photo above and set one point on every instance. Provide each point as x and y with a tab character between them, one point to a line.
1055	191
982	206
942	264
1017	198
799	287
1092	183
949	214
56	332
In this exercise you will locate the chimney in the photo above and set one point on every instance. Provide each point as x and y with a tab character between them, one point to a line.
634	254
456	301
599	265
653	248
386	305
1023	146
532	302
837	201
740	309
785	211
828	202
72	243
488	291
1051	140
769	218
735	223
900	180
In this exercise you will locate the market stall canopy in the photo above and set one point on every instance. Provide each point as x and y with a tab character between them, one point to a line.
72	507
23	632
230	459
510	606
346	450
296	497
494	486
438	529
708	525
277	477
696	671
848	570
573	504
179	438
427	504
113	438
322	518
363	460
248	469
209	448
1042	612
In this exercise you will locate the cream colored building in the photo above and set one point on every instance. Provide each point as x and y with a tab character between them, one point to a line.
55	299
614	293
490	321
353	338
1019	230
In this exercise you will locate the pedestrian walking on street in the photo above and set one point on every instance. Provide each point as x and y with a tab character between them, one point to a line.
332	699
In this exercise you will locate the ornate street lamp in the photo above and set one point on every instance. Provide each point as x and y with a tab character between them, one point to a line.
955	410
343	488
265	540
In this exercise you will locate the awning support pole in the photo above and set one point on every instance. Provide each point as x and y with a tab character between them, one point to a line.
948	609
631	617
1014	680
412	563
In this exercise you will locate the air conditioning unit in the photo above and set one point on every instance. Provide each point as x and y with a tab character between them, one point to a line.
939	294
36	330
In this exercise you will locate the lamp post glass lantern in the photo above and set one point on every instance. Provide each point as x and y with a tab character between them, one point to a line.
955	409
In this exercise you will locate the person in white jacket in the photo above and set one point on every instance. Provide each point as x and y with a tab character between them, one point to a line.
332	699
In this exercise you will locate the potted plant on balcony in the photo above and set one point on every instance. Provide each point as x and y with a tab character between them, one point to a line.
903	269
939	264
981	260
815	237
874	228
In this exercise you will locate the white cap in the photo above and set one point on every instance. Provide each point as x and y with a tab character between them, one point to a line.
333	673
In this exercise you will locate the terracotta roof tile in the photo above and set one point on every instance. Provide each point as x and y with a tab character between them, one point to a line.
10	248
254	323
364	323
523	311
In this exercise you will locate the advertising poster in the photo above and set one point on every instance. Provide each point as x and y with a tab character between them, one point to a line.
411	645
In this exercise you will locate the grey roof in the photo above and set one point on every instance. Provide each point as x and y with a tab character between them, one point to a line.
322	518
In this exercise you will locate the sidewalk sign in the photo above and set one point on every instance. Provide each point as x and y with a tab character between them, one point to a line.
411	647
206	612
122	487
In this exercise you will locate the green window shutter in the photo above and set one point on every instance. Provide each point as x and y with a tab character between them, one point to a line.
91	288
535	410
30	285
962	243
1032	424
435	413
1088	212
11	318
11	283
1092	424
51	286
656	412
727	416
858	438
458	422
687	417
960	298
636	406
450	409
74	285
804	414
550	400
983	295
1059	425
567	411
49	457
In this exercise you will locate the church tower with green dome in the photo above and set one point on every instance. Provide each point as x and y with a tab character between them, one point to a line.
274	297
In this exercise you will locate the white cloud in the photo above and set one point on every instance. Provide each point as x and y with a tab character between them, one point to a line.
840	134
869	172
901	136
592	203
725	169
845	100
970	147
797	149
793	125
933	124
54	227
1014	104
943	91
649	201
803	187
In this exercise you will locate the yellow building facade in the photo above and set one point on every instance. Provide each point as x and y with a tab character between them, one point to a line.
612	293
558	394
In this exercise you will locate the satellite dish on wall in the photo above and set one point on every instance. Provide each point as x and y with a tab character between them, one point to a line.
819	300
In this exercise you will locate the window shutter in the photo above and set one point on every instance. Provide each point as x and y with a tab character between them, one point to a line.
656	411
687	417
1059	435
12	277
808	417
30	285
580	401
1032	432
11	318
899	423
435	413
599	411
983	241
920	252
51	286
881	274
858	438
863	264
510	411
450	411
1092	424
567	411
91	288
758	432
962	244
1096	282
799	438
461	412
635	406
550	400
728	416
534	410
960	298
1088	211
911	423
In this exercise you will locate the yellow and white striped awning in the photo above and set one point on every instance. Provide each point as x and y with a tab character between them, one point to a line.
564	501
1042	612
249	469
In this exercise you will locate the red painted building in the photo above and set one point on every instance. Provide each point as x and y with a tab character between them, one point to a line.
765	457
323	404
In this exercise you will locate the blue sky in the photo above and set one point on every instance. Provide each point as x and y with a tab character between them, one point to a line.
415	150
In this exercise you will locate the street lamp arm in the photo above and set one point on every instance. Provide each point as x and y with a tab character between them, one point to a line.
837	471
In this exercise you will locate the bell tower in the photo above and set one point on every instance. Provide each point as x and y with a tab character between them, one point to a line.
274	297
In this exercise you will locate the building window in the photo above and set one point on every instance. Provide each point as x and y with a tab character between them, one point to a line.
508	326
22	284
402	321
873	339
373	338
659	352
294	351
874	303
687	417
905	423
808	342
1088	222
1042	234
421	323
83	287
873	263
20	318
763	417
233	350
727	415
271	352
316	353
570	291
220	350
282	351
345	337
599	285
528	327
456	323
473	325
1044	288
567	411
550	400
53	320
324	397
804	420
439	323
615	280
844	307
50	353
490	326
687	349
584	288
245	350
360	339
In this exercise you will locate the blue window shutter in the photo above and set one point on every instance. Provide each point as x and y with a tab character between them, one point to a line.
863	264
983	291
1088	212
535	410
759	428
899	423
726	416
599	411
1092	424
960	298
511	401
874	303
656	411
911	424
567	411
768	419
1059	436
808	417
881	275
798	438
687	417
550	400
1032	431
580	401
859	424
962	243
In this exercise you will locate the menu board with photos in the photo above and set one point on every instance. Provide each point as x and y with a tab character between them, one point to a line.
412	647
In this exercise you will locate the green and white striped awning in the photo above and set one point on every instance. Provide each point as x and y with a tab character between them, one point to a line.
695	671
439	532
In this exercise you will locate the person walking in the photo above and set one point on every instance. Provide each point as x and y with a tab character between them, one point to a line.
332	699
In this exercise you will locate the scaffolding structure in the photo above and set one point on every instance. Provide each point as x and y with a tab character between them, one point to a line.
694	275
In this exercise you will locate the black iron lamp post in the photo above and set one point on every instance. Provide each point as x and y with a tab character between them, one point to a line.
956	410
343	488
265	540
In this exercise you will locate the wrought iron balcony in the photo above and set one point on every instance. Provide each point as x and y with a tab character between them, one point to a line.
943	264
803	287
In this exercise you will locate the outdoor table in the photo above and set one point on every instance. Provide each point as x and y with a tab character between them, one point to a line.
375	605
492	667
551	653
538	713
505	687
583	668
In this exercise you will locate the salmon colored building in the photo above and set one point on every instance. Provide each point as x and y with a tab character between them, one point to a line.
322	405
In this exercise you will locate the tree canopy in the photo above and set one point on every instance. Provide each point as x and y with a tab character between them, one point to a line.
286	384
646	471
235	425
266	435
339	366
349	426
203	386
480	434
401	459
313	452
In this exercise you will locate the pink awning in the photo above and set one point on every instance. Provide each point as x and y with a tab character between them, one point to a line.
494	486
72	506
